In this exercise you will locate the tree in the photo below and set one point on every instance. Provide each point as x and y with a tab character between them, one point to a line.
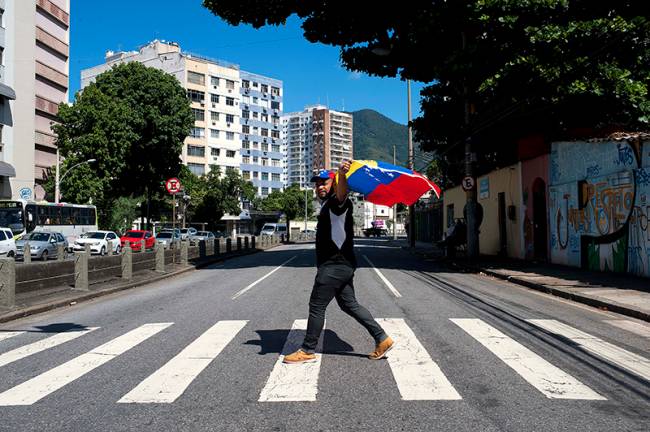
133	121
125	210
498	69
290	201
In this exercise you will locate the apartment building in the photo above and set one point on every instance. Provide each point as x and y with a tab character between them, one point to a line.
34	70
235	112
263	151
316	138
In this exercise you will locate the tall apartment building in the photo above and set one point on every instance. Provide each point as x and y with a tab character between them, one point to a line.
220	103
263	152
316	138
34	69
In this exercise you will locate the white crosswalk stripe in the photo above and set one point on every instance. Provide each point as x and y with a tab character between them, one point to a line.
48	382
610	352
417	376
170	381
293	382
9	334
553	382
42	345
631	326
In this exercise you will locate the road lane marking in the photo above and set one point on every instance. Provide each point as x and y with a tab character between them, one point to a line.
249	287
631	326
417	376
170	381
48	382
552	381
42	345
7	335
619	356
294	382
389	285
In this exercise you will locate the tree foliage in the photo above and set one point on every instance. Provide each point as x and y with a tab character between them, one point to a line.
290	201
133	121
498	69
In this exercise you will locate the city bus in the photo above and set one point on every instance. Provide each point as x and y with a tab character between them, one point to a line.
71	220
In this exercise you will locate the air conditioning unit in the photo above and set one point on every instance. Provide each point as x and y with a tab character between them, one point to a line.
214	105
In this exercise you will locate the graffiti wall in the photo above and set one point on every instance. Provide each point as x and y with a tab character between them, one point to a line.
599	199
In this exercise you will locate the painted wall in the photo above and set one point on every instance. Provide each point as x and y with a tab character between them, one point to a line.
599	202
453	197
531	170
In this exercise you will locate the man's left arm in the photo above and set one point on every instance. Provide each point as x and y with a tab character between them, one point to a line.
342	182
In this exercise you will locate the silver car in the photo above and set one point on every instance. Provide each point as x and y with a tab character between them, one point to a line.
201	236
42	244
168	238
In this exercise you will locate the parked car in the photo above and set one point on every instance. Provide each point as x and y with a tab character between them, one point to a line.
188	233
134	238
308	231
270	229
7	243
42	244
168	238
98	241
202	236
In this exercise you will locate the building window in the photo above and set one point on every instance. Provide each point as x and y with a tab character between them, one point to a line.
196	151
256	159
197	132
255	99
275	162
265	176
255	85
275	120
275	105
275	134
255	174
256	145
245	114
275	91
264	117
214	116
214	133
230	169
265	161
230	136
255	114
230	101
245	159
265	147
265	132
246	99
230	118
195	78
199	114
264	88
245	83
265	191
275	147
245	129
230	153
275	177
214	98
215	152
214	81
245	144
230	84
196	96
196	169
246	175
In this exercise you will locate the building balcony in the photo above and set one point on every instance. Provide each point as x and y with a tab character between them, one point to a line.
52	42
51	74
46	106
54	11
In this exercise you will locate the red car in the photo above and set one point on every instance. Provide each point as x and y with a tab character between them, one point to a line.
134	237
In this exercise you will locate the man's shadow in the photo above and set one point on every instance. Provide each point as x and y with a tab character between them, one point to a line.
274	341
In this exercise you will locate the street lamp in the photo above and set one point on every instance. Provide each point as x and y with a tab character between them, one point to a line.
57	181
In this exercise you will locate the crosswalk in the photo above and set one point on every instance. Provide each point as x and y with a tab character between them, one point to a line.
415	374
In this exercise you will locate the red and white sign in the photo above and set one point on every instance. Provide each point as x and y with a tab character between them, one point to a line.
468	183
173	185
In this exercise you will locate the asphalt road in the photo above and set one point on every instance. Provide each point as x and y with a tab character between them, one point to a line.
202	351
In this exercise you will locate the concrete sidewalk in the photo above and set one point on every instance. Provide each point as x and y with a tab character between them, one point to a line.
620	293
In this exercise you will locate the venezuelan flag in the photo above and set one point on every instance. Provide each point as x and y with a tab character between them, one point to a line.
386	184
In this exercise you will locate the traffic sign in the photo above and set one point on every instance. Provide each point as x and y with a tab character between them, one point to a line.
468	183
173	185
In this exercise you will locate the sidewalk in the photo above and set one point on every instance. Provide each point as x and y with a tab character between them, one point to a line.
620	293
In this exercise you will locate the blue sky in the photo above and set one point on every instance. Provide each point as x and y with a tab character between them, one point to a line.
311	72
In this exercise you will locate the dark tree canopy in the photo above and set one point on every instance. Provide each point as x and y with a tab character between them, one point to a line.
519	66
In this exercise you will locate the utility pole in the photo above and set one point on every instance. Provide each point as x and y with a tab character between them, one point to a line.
410	165
57	186
394	205
305	210
470	205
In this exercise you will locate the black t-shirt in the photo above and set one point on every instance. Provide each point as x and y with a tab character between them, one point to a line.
335	231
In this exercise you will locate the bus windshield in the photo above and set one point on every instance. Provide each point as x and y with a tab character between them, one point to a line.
12	216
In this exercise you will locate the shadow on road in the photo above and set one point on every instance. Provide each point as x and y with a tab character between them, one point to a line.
53	328
272	342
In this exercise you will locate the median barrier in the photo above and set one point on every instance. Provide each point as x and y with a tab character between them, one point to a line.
7	282
210	247
246	242
109	247
228	245
81	271
202	246
60	252
238	243
143	246
160	258
184	253
127	262
253	242
27	252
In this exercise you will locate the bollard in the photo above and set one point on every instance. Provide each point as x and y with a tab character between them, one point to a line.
228	245
220	246
184	250
210	247
60	252
253	242
87	249
238	243
160	258
246	242
81	271
142	246
127	261
27	253
109	247
7	282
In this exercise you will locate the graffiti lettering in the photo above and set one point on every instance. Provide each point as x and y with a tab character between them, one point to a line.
625	155
593	171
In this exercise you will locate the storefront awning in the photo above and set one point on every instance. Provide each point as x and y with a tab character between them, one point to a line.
7	170
7	92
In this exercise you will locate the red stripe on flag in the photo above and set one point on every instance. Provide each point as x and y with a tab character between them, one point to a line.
404	189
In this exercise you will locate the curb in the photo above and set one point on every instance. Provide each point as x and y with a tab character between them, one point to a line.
579	298
57	304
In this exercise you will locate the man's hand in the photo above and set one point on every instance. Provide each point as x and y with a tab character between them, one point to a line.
345	167
342	181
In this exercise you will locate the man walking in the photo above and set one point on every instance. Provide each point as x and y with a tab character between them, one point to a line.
336	264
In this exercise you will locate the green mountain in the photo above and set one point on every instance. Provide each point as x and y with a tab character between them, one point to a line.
374	137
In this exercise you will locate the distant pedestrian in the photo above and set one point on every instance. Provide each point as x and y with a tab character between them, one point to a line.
336	265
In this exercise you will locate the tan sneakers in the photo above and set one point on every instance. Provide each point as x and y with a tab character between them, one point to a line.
381	349
299	357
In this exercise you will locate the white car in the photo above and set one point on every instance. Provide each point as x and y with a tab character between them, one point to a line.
7	243
98	241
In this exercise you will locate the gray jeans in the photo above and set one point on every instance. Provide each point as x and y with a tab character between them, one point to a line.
334	280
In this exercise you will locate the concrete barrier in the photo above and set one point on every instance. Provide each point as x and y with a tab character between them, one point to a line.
27	252
238	243
210	247
81	271
160	258
109	247
60	252
246	242
143	246
228	245
127	262
184	253
87	249
253	242
7	282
